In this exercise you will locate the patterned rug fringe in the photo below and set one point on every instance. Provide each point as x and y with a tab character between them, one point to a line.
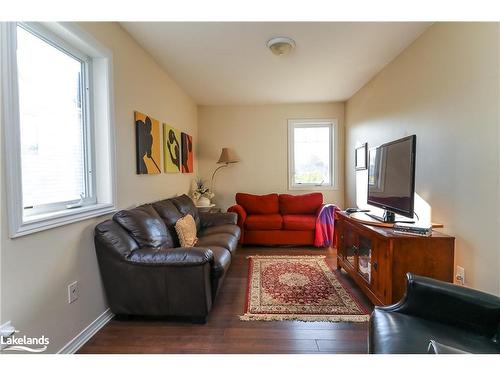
305	318
285	256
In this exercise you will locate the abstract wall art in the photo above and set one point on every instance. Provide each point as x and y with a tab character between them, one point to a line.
187	153
171	149
147	135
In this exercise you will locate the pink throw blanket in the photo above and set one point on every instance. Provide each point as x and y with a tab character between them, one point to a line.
325	222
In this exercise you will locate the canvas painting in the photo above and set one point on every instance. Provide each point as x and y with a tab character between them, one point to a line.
147	133
187	153
171	149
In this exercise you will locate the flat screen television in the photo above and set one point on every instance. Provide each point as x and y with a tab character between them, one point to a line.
391	178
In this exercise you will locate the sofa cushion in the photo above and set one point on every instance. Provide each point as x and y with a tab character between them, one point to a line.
170	214
279	237
213	219
396	333
146	227
226	228
225	240
258	204
186	206
167	211
264	222
300	204
299	222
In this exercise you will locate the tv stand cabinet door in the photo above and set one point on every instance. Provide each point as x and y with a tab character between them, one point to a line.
348	245
380	270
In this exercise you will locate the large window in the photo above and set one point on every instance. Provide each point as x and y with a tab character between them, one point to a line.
311	148
55	131
56	155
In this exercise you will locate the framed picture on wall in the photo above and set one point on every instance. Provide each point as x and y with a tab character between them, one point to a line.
186	153
171	149
360	157
147	139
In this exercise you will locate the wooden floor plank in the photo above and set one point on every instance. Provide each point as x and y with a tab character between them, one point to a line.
225	333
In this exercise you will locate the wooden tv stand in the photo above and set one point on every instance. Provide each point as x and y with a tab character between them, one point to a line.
377	259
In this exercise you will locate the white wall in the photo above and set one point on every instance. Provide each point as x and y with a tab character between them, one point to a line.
258	134
445	89
36	269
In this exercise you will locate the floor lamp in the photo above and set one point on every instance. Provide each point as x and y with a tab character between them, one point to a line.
227	157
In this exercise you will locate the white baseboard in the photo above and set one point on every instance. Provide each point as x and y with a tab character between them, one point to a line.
84	336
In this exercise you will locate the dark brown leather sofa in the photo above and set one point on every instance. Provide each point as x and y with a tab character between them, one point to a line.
146	272
436	317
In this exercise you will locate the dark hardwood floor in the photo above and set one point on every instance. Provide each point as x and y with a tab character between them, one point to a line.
225	333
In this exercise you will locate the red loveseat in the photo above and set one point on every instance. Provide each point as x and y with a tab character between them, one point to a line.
274	219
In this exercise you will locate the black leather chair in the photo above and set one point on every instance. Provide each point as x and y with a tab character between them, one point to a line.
436	317
146	272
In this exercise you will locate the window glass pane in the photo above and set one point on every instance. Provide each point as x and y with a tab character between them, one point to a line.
52	130
312	155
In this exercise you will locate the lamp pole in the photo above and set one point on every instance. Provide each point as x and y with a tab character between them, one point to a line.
213	176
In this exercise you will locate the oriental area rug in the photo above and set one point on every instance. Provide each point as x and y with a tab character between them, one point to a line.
300	288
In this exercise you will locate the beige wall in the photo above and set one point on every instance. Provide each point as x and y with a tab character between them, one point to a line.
445	89
37	268
258	134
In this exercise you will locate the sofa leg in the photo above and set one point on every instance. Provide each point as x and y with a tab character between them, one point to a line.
199	319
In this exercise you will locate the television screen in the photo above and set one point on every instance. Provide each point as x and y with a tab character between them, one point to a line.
391	176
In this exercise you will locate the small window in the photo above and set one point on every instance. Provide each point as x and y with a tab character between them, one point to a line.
56	155
54	129
311	154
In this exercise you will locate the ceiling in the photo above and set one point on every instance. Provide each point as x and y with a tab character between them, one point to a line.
228	63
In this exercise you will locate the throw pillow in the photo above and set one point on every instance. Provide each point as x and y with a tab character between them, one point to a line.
186	231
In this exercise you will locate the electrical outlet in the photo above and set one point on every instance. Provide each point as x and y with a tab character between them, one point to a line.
73	292
460	275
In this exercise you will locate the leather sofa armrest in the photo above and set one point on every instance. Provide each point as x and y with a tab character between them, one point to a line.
438	348
178	257
212	219
450	304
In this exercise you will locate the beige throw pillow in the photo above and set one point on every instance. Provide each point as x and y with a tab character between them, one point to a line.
186	231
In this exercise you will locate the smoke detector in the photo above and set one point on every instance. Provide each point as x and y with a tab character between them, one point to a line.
281	46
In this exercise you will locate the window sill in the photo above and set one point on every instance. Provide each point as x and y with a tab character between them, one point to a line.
38	223
313	187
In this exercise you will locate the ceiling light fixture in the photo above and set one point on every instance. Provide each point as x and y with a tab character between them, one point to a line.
281	46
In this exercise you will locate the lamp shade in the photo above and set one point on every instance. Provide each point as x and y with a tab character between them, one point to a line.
227	156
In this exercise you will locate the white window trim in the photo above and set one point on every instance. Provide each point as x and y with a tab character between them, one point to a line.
63	46
102	120
334	144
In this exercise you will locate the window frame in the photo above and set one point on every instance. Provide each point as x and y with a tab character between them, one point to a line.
100	182
310	123
87	124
